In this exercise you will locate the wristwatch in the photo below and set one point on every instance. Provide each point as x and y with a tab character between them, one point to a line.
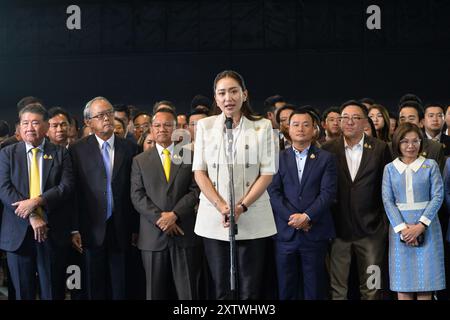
243	206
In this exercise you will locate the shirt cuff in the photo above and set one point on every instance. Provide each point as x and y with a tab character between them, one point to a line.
400	227
425	220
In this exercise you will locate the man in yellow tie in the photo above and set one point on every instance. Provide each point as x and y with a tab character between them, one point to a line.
36	181
165	194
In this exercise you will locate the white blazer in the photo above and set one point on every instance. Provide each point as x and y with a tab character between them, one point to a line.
256	154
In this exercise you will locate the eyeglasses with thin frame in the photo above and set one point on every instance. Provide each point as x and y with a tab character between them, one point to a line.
102	115
414	143
346	119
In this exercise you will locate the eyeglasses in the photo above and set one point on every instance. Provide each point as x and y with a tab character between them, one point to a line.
102	115
346	119
414	143
143	126
165	125
331	119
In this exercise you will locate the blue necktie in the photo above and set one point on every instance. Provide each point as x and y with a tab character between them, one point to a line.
107	162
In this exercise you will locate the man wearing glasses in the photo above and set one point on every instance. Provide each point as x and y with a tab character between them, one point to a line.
358	213
104	215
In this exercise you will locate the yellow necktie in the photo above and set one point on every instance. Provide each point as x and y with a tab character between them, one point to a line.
166	163
35	178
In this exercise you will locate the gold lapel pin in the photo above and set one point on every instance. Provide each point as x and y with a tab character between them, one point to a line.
312	156
48	157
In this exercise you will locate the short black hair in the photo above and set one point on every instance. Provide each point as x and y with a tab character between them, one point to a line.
412	104
367	100
200	100
330	110
167	110
269	103
354	103
142	113
122	108
4	128
165	102
410	97
393	115
304	111
28	100
53	112
434	104
287	106
197	112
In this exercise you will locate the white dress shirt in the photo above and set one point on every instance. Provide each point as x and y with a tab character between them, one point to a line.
353	156
161	154
110	151
39	156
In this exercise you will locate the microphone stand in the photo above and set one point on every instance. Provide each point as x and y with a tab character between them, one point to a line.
233	229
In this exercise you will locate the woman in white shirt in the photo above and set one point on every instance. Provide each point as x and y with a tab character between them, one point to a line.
254	154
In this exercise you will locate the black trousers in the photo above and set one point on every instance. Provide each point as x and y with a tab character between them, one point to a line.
250	267
105	268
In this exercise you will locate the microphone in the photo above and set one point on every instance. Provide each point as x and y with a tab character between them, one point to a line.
229	123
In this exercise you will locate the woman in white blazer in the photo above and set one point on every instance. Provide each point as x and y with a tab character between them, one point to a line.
254	158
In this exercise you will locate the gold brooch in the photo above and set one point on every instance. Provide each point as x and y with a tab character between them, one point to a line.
48	157
257	128
312	156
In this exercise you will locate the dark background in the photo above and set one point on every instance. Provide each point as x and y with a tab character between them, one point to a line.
315	52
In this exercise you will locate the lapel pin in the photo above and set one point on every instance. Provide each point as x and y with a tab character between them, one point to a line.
312	156
48	157
367	146
424	154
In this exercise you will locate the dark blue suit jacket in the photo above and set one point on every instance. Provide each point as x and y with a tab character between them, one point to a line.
57	184
314	195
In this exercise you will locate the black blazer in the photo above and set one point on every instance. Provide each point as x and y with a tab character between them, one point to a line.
90	182
359	210
151	194
57	184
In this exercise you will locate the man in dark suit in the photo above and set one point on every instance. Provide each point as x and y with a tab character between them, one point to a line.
35	182
358	215
165	194
301	203
104	214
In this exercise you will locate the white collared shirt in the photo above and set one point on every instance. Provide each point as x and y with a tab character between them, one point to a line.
111	149
353	156
39	156
436	138
300	158
160	151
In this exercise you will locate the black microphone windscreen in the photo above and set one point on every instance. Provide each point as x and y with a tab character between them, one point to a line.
229	123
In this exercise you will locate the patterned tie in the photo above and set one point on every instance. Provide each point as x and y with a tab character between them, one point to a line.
35	179
107	163
166	163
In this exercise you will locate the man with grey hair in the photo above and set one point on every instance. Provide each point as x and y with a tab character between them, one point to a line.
104	214
36	180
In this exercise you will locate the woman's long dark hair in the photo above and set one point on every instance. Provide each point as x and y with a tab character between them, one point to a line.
246	108
384	132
